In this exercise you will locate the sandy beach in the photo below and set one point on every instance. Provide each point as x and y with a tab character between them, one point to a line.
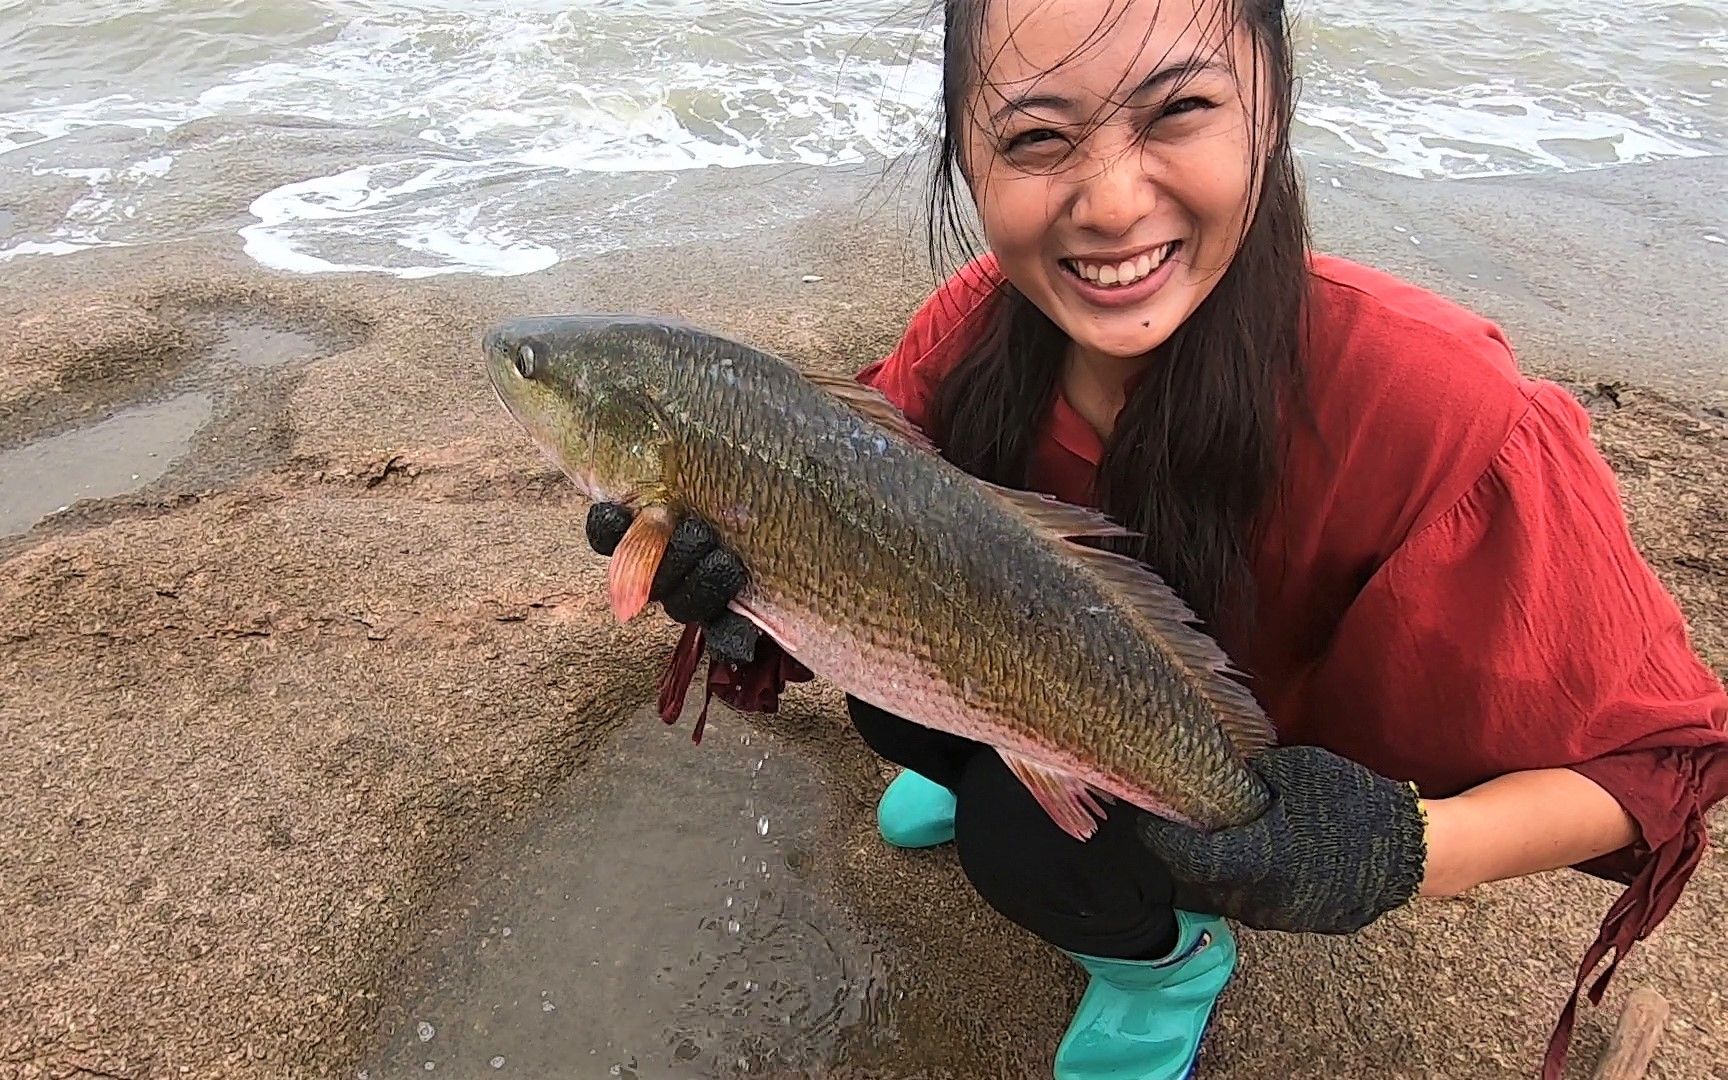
316	728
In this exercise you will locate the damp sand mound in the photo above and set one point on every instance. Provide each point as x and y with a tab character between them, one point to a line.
252	717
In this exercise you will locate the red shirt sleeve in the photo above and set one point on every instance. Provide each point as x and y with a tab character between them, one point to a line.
1521	628
1525	612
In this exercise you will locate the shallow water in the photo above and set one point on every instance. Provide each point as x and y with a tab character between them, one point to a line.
137	441
657	921
118	454
417	137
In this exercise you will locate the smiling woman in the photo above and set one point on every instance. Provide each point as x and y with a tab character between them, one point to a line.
1413	548
1119	214
1091	137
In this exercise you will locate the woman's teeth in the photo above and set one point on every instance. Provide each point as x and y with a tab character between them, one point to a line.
1123	273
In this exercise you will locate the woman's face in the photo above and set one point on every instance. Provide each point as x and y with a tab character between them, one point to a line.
1108	152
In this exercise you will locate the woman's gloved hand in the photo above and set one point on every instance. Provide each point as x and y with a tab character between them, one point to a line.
696	579
1339	846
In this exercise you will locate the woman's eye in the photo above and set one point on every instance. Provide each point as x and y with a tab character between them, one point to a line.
1185	105
1035	137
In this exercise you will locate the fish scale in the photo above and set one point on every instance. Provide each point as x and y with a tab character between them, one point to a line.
886	570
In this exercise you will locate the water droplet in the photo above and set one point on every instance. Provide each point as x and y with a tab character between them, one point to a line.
426	1031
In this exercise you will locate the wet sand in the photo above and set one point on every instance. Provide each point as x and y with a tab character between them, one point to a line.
299	720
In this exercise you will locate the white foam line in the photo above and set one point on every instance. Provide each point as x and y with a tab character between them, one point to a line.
1490	133
53	247
348	201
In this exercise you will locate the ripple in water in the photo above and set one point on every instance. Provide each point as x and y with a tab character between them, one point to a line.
656	928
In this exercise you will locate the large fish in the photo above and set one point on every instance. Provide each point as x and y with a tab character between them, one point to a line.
880	566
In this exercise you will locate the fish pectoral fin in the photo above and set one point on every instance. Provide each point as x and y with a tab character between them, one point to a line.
1068	800
631	573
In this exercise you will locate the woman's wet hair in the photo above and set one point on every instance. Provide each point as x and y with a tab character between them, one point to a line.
1193	461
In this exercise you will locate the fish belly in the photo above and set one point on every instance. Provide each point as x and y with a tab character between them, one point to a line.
885	674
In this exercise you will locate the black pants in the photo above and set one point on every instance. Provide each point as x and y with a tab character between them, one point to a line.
1107	896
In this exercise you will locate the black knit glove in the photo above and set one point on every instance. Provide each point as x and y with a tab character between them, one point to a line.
1339	846
696	579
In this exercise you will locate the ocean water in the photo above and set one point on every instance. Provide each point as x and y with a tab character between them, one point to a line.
420	137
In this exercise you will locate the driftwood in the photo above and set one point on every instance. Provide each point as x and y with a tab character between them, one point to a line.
1635	1035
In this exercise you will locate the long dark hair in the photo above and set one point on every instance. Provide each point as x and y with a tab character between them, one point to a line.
1192	462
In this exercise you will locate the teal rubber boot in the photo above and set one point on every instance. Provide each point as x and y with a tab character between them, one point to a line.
1144	1019
915	812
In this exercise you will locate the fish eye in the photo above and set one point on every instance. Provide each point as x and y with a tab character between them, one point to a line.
527	360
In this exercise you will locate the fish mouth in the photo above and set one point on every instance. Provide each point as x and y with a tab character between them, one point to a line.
496	359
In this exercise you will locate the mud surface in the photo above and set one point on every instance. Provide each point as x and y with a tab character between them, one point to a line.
296	722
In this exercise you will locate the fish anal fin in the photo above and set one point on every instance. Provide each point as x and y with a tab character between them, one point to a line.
631	573
873	404
1240	716
1071	804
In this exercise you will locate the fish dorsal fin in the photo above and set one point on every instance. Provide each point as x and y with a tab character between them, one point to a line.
1239	714
873	404
1064	519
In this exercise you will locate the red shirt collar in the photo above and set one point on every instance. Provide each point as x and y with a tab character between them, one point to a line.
1073	433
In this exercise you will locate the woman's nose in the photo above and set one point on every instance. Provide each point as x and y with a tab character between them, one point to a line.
1115	190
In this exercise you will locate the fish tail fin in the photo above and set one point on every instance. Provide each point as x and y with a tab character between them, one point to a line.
1071	804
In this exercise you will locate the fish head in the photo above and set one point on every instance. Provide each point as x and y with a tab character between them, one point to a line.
587	389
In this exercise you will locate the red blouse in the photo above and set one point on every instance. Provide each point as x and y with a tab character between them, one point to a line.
1448	590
